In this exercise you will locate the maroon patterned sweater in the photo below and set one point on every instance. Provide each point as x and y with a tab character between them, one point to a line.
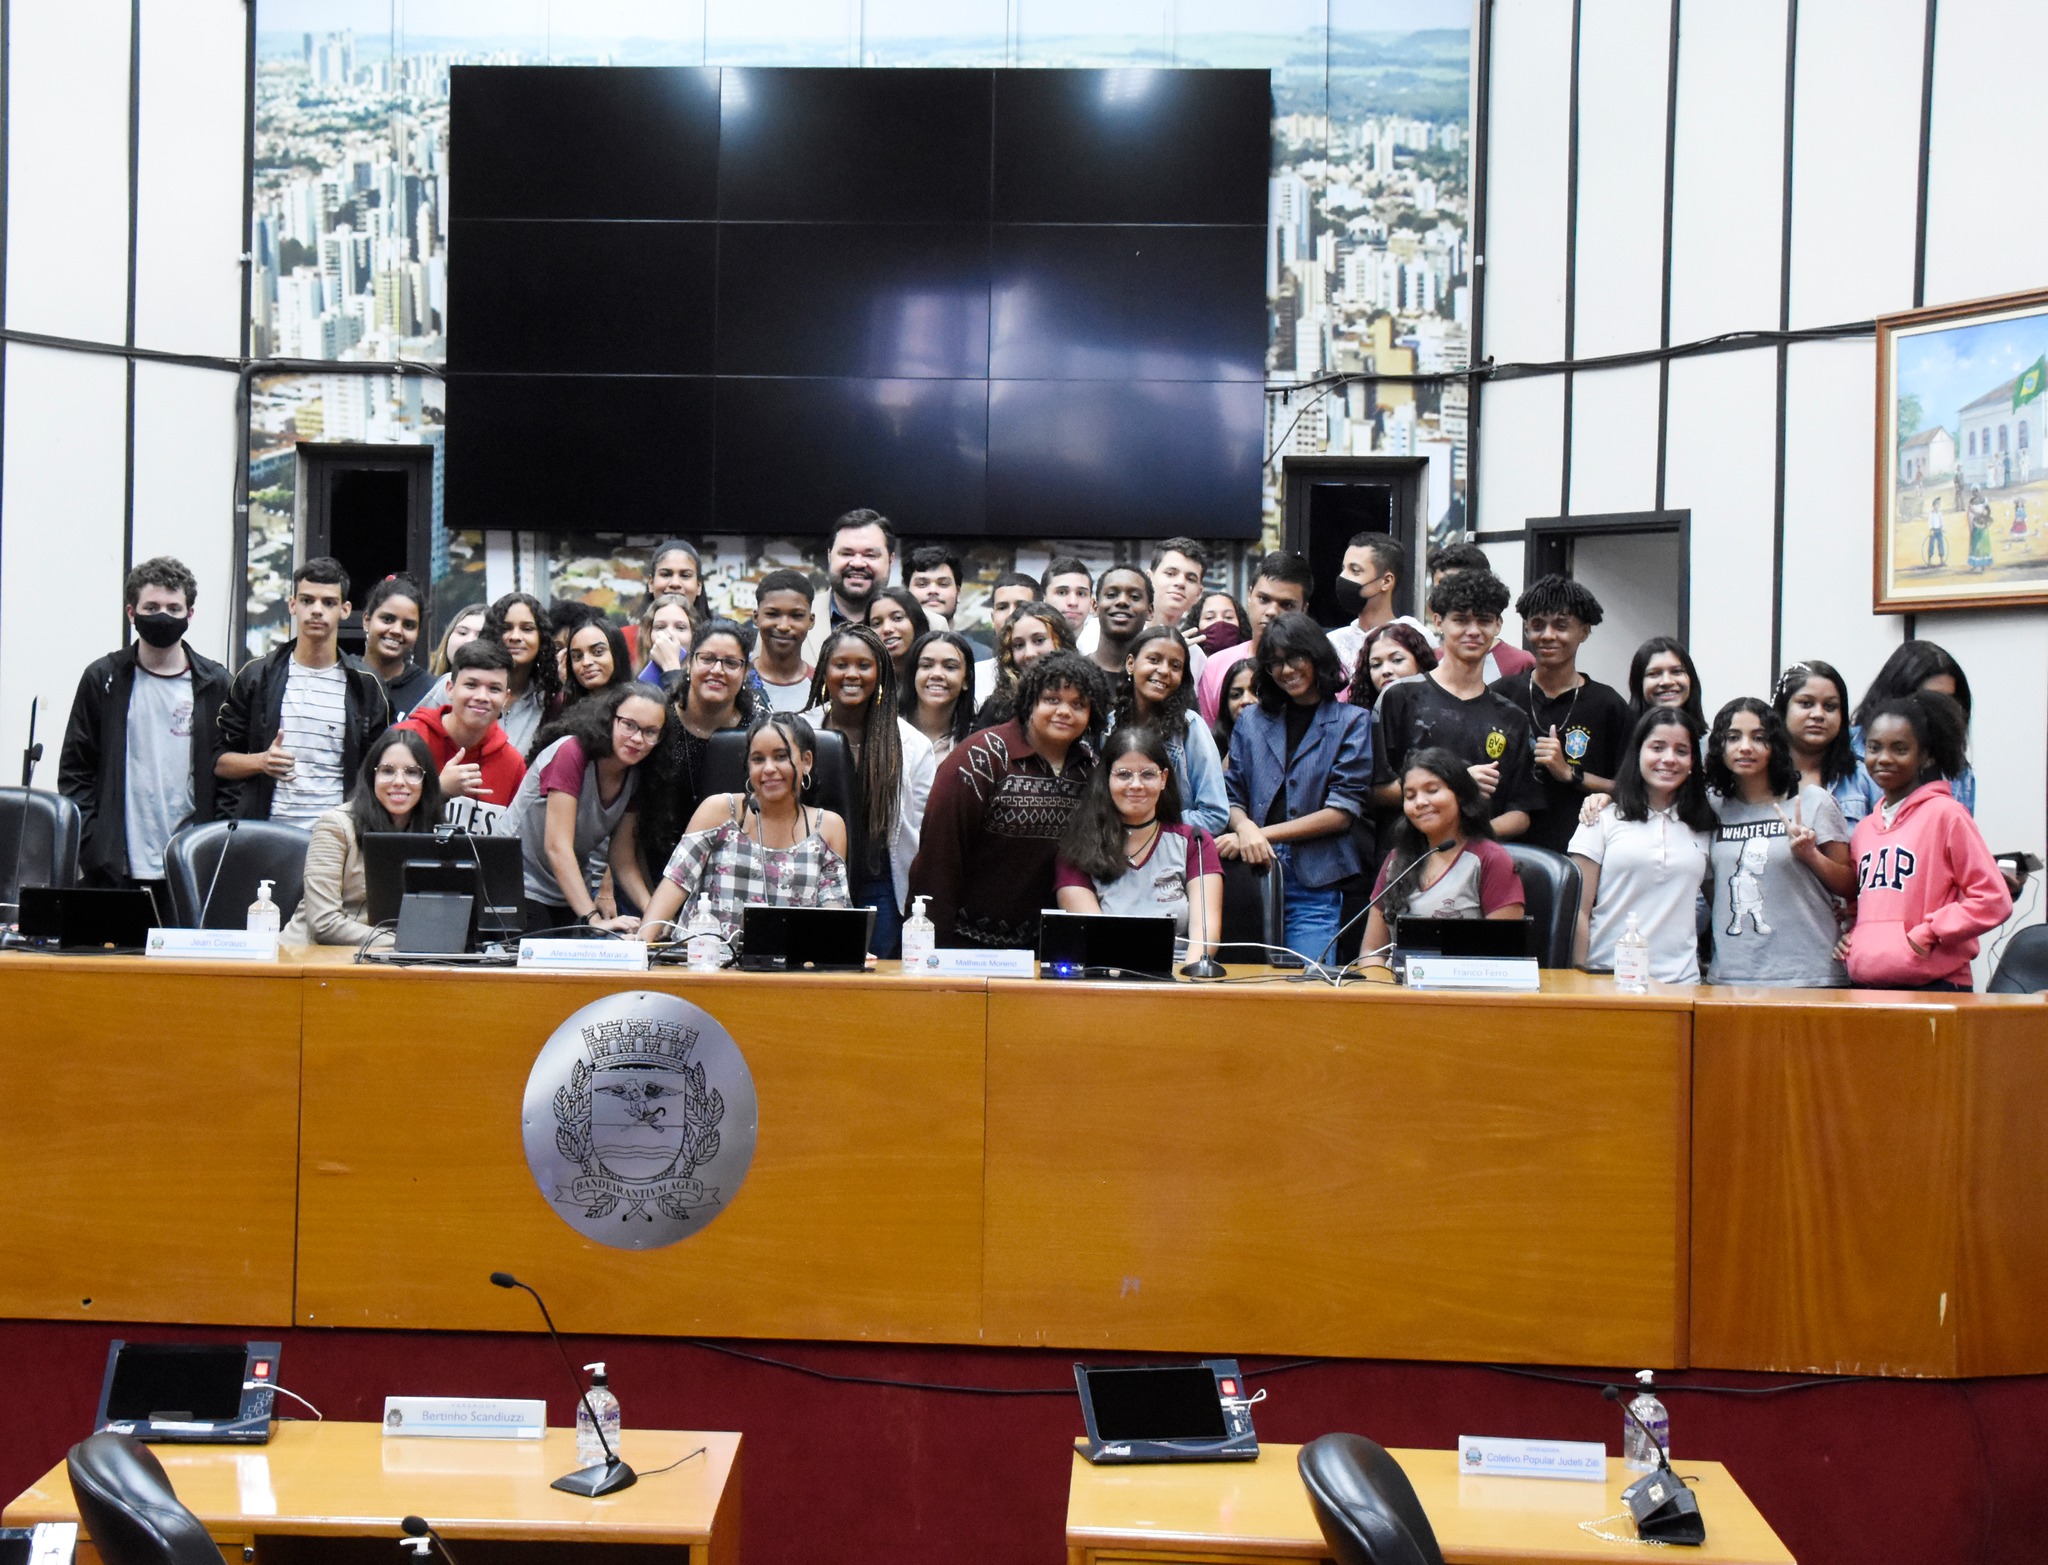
991	830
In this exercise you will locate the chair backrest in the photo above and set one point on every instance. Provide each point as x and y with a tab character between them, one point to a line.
39	832
2023	968
256	850
128	1508
1365	1504
1550	897
725	770
1254	915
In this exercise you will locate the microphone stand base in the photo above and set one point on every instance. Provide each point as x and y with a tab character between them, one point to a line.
605	1478
1207	967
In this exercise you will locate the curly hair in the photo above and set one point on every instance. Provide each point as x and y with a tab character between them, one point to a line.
1363	692
1171	715
1059	671
1045	614
547	679
1470	592
1781	771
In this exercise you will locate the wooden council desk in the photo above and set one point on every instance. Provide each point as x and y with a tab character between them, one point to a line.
340	1480
1809	1181
1223	1513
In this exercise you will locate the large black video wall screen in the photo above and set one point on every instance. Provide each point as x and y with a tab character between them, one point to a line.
1010	303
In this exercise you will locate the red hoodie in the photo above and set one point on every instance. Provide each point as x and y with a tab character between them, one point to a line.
1929	878
503	772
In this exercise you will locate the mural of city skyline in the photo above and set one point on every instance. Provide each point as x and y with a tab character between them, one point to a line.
1368	249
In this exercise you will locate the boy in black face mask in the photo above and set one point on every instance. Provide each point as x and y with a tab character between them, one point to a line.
139	751
1367	582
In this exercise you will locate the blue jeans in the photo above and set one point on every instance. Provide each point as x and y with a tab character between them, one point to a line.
880	894
1313	913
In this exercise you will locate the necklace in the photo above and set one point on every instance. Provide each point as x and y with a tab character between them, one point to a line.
1536	727
1150	826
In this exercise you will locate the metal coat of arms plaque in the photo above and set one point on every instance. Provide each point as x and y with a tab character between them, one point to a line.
639	1120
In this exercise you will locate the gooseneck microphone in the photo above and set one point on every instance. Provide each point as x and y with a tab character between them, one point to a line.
227	846
1665	1510
1205	965
610	1475
420	1527
1450	845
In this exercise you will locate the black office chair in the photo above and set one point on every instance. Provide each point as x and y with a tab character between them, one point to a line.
1254	916
129	1509
1550	897
39	833
1365	1504
2023	969
255	850
725	770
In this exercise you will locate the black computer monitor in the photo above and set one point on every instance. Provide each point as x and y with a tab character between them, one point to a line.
1106	945
805	939
497	860
1466	936
87	918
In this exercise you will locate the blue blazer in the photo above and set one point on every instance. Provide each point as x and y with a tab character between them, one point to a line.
1333	767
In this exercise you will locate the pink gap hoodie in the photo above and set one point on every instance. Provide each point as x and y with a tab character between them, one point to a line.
1927	877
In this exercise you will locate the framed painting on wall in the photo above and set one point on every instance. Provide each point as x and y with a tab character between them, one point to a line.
1962	456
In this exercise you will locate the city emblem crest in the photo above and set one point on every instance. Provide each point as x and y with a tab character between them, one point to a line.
639	1120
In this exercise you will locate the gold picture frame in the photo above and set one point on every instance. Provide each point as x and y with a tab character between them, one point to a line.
1962	456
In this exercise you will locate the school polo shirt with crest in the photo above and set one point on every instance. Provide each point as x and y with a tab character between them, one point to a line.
1592	725
1419	714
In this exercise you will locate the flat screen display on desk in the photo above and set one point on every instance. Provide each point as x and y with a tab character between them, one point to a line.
997	303
1177	1402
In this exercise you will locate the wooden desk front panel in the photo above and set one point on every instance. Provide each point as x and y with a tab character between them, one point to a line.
861	1216
148	1139
1870	1190
1371	1174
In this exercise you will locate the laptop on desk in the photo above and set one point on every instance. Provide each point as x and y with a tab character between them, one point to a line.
113	921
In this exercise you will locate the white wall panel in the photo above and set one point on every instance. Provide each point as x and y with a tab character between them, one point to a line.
1728	177
1855	157
1624	65
60	550
185	459
1529	135
188	279
1719	455
1987	228
67	169
1522	431
1829	449
1614	440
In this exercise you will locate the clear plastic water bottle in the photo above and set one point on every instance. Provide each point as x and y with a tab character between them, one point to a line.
1635	1445
1632	960
263	915
920	939
706	942
589	1451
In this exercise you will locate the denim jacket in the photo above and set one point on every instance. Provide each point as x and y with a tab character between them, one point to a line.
1333	767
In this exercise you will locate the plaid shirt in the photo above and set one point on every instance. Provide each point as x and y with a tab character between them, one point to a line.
724	869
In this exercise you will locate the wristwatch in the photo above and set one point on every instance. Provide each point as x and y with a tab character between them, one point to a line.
1578	775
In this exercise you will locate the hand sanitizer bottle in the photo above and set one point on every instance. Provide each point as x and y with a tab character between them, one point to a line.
707	945
589	1452
263	918
1635	1445
919	938
1632	960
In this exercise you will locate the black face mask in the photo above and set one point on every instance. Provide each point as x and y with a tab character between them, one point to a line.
1350	597
162	630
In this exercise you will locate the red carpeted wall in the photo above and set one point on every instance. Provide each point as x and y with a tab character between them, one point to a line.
1910	1472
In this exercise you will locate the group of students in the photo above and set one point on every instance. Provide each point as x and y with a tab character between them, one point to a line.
1107	746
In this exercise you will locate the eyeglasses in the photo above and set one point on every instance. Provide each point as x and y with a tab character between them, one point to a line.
411	774
1123	777
713	660
635	730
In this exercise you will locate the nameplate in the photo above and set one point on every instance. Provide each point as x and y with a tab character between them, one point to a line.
53	1543
465	1418
1583	1460
583	956
1474	972
967	962
211	945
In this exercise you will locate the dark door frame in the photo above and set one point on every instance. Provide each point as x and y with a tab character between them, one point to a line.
315	528
1300	473
1547	541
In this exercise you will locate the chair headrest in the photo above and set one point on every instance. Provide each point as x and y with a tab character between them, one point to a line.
129	1509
